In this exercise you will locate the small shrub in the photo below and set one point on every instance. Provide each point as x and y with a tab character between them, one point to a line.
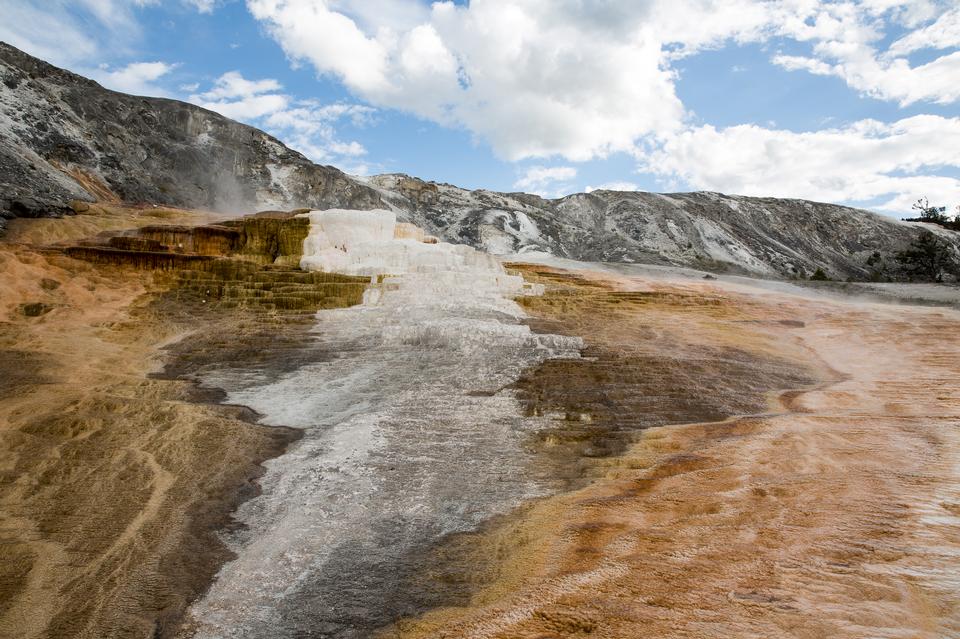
819	276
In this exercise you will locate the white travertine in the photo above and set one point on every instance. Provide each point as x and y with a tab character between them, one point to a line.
411	432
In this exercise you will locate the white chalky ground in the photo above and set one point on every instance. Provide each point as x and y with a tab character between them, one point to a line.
399	449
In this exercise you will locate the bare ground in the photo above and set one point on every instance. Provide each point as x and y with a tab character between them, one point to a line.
831	513
831	510
111	484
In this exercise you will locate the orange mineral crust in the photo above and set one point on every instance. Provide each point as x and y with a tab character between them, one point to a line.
831	512
116	482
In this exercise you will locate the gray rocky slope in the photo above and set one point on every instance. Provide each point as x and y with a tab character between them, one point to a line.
64	137
767	237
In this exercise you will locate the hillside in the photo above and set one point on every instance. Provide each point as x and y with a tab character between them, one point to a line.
767	237
64	138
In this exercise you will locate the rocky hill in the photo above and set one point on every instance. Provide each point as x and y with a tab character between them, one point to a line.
768	237
64	138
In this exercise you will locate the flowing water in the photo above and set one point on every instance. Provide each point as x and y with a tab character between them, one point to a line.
410	434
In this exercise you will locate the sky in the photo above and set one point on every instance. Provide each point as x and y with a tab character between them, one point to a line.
852	102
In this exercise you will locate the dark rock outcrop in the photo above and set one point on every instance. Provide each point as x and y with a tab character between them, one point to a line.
65	138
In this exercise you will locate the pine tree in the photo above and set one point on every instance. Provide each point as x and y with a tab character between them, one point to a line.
928	258
935	214
819	276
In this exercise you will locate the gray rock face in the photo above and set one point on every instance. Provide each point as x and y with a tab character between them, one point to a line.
766	237
64	137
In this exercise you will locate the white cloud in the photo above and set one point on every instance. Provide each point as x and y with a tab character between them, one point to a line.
309	29
893	79
533	78
311	130
248	108
79	34
137	78
944	33
398	15
67	36
581	80
237	98
867	161
613	186
308	115
693	25
304	125
845	38
802	63
233	85
546	181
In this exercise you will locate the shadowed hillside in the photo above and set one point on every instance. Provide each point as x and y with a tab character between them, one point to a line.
64	137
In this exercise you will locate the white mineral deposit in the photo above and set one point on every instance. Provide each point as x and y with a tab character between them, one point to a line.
410	432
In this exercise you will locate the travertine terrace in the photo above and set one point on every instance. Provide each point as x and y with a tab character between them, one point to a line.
204	440
830	512
479	319
410	434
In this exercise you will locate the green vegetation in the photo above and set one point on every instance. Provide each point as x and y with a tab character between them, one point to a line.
928	258
929	213
935	215
819	276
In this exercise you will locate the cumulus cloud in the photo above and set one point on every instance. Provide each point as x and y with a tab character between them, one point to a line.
249	107
310	128
547	78
894	79
531	78
137	78
867	161
845	38
237	98
233	85
546	181
582	80
304	125
943	33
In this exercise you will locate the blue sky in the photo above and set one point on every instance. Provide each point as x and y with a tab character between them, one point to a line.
849	101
